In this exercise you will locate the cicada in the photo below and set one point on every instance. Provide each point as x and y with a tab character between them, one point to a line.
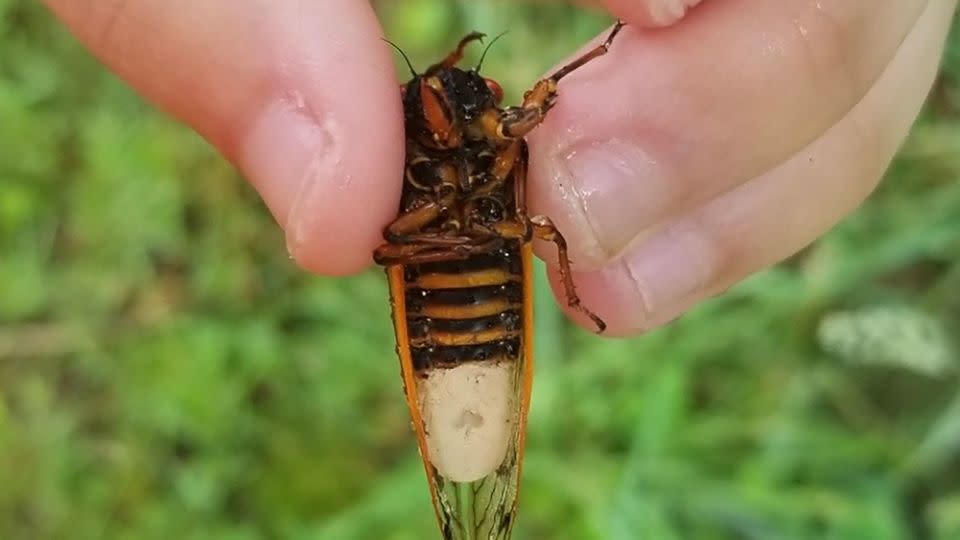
458	261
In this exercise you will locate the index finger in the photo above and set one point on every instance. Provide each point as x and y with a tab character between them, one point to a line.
301	96
648	13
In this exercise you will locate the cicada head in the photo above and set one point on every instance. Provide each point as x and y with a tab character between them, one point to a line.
440	104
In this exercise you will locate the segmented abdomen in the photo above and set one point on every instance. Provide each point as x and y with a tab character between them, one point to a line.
465	311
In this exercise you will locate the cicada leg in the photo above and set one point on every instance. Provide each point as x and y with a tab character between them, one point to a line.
504	165
433	250
406	228
524	226
411	222
518	121
456	55
544	229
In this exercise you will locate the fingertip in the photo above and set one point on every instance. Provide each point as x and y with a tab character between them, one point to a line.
315	173
302	97
651	13
337	255
622	298
606	294
326	151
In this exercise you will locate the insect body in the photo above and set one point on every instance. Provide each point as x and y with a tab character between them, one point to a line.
458	261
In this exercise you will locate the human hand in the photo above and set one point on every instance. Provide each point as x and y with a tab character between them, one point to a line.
693	156
301	96
725	143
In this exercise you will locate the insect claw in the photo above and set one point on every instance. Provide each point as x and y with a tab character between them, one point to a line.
601	326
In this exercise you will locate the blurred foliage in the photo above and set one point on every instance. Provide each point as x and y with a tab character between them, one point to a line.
166	372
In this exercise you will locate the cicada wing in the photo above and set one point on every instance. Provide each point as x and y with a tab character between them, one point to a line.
483	508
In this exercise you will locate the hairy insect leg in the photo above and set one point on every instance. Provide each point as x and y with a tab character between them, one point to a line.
544	229
428	252
504	164
520	180
520	229
432	239
412	222
456	55
388	254
510	163
518	121
418	258
597	51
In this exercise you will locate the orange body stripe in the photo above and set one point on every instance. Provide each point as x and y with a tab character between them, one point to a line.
465	280
526	255
470	311
455	339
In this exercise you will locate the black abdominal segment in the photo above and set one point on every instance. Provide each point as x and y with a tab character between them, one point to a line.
465	311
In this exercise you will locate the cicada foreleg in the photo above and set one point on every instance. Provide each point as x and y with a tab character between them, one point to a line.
456	55
597	51
544	229
411	222
406	228
504	166
518	121
429	252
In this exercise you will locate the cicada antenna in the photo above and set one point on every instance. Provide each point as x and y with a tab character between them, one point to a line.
487	48
404	55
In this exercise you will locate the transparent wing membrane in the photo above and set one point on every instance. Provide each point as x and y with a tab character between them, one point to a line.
482	509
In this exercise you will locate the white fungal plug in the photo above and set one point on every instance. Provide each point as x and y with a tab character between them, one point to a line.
469	415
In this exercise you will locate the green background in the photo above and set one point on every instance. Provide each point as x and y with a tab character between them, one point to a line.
166	371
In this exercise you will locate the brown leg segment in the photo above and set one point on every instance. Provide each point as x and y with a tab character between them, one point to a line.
411	222
520	180
503	165
431	239
519	229
599	50
388	254
454	57
544	229
518	121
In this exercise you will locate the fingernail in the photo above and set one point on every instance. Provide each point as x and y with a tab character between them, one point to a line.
670	267
618	188
288	151
666	12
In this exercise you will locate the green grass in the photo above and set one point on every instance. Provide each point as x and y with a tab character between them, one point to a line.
166	372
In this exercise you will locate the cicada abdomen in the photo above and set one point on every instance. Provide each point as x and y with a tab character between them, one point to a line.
464	341
458	259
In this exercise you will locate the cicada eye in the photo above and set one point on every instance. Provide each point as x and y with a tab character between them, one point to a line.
495	88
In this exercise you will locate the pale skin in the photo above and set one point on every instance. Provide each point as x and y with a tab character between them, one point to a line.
679	164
